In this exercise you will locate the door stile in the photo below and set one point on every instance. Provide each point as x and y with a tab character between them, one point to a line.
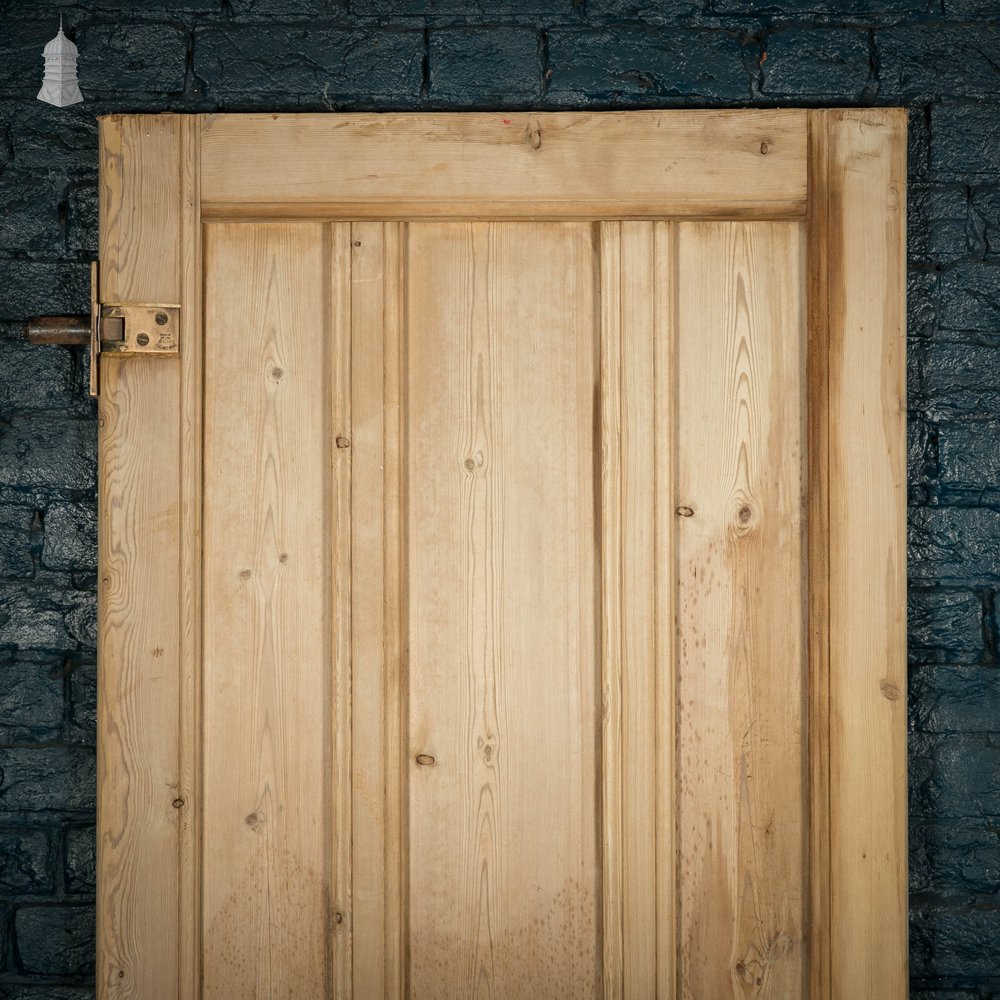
867	507
147	201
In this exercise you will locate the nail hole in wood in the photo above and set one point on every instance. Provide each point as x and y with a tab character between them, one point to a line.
343	442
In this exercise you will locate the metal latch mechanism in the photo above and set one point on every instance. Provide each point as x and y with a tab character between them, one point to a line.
128	328
122	328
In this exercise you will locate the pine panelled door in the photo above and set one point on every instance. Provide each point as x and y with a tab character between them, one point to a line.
502	567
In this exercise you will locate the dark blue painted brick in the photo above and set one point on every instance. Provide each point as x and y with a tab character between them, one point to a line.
955	857
965	143
31	701
73	10
16	539
926	61
37	991
286	10
47	778
34	617
970	298
944	626
811	63
81	210
985	222
83	698
643	66
865	11
968	9
969	456
940	228
21	60
81	618
37	288
918	142
44	138
954	545
30	215
491	64
949	699
918	993
130	57
947	940
317	64
70	536
48	451
954	774
25	863
680	12
81	862
34	378
55	940
922	302
385	10
954	379
921	450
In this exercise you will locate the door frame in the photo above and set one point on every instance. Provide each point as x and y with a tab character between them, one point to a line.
842	171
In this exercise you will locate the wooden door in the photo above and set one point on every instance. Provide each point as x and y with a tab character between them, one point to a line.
502	588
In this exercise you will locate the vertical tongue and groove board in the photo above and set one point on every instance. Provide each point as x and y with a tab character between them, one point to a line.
502	589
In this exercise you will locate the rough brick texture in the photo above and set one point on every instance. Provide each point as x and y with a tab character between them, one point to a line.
937	57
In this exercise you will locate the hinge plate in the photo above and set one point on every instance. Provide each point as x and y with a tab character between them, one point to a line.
128	328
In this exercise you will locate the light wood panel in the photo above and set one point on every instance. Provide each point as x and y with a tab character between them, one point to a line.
275	606
865	185
502	367
741	660
145	175
648	164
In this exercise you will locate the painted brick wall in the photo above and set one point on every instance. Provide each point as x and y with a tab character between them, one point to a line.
938	57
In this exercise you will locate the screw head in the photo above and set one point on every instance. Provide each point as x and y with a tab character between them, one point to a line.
161	319
142	340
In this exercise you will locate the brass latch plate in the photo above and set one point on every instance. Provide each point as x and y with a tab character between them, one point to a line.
129	328
138	328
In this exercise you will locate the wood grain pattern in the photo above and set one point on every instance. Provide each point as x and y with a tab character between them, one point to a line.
664	626
504	888
377	719
740	578
271	624
635	307
867	483
818	531
190	546
643	164
139	622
